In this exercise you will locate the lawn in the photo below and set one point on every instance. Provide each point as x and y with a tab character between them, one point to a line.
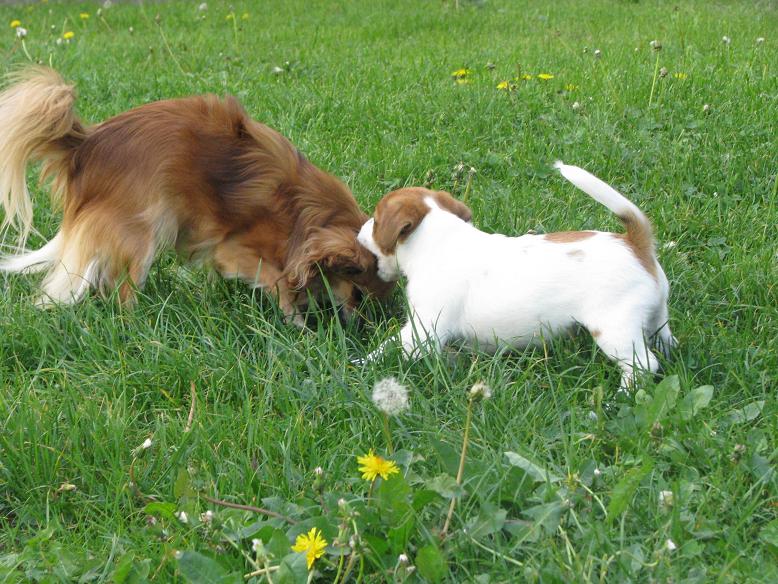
674	483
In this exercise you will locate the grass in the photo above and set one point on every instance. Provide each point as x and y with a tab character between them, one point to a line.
365	90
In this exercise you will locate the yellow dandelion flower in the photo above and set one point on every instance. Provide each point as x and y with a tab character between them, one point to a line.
503	85
312	543
372	466
571	87
68	35
680	75
460	73
525	77
545	76
16	23
244	16
84	16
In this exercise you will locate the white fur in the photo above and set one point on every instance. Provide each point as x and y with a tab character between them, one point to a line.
491	289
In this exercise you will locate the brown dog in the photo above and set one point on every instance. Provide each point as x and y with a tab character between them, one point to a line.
196	173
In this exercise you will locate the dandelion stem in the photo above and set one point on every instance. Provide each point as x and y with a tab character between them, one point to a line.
262	572
388	435
193	396
461	470
653	81
251	508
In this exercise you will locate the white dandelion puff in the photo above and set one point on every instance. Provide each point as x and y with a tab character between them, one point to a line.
390	396
726	40
597	53
21	32
480	391
206	517
759	40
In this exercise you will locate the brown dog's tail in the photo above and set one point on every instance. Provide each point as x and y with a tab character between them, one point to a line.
38	123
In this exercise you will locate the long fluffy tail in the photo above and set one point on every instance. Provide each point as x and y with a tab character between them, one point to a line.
639	233
36	117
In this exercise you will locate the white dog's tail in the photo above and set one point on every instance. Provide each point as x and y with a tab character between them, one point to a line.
37	123
639	233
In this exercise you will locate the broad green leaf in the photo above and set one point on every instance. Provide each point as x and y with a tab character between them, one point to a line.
537	472
546	516
182	486
278	545
626	487
445	485
490	520
393	499
424	497
746	414
665	396
200	569
431	563
696	400
129	571
160	509
448	455
293	570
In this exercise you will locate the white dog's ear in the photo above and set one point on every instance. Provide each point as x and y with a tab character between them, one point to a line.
450	204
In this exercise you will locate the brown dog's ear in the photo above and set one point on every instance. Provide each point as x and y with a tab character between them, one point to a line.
333	250
450	204
396	222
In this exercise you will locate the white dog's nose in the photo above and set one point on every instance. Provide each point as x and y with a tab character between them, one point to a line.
366	233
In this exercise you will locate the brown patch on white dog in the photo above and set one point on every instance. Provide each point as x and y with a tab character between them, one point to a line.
568	236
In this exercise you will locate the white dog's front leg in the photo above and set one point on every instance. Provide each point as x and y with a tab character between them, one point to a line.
416	338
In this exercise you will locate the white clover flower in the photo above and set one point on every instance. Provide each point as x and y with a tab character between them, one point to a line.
726	40
706	108
759	40
656	45
257	545
597	472
597	53
480	391
402	559
318	471
276	70
663	72
206	517
182	516
146	444
576	105
203	7
670	545
390	396
21	32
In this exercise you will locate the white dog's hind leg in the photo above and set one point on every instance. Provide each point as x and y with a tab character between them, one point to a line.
628	348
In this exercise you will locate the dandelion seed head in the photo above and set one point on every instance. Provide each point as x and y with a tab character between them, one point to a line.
666	499
21	32
480	391
759	40
726	40
402	559
576	105
597	53
663	72
206	517
203	7
656	45
390	396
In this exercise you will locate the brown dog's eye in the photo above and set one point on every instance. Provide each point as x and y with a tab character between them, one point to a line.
351	271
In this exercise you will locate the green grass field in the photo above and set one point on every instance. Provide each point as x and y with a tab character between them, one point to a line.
676	483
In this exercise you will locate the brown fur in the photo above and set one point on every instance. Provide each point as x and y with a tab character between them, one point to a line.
401	211
199	174
640	239
567	236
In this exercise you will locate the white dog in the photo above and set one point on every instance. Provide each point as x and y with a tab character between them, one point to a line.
491	289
